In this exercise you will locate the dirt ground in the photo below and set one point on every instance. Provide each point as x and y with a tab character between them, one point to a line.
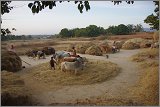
116	87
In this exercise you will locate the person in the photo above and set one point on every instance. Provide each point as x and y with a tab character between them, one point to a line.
114	47
52	63
43	54
12	48
73	51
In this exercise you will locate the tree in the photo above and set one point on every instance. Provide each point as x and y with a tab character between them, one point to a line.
122	30
138	28
131	28
153	20
65	33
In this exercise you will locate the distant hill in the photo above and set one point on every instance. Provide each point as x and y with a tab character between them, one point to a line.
149	30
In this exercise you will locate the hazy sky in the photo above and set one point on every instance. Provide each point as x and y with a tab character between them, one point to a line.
67	15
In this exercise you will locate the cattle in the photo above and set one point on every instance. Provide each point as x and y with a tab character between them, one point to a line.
72	66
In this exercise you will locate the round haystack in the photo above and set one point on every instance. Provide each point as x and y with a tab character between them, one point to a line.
156	36
81	48
130	45
94	50
119	44
146	44
104	46
69	49
49	50
135	40
10	61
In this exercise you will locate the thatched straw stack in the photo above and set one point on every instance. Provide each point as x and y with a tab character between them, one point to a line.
10	61
146	44
135	40
130	45
156	36
133	43
81	48
49	50
13	92
94	50
119	44
104	46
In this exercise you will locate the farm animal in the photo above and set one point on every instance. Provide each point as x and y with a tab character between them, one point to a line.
107	56
40	54
72	66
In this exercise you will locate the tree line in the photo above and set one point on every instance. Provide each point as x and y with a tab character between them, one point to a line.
93	30
13	37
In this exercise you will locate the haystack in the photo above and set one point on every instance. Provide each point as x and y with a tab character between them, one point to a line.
94	50
146	44
104	46
130	45
156	36
81	48
119	44
10	61
49	50
13	92
135	40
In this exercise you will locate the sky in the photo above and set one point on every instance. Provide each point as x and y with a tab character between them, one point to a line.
67	15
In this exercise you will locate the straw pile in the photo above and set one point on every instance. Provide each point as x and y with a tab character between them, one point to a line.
81	48
130	45
119	44
146	54
94	50
104	46
94	72
147	90
146	44
135	40
156	36
13	91
10	61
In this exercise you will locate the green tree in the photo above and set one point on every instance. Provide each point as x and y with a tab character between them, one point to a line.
153	20
65	33
138	28
122	30
131	28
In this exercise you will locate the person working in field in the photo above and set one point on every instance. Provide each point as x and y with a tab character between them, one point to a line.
52	63
73	52
114	47
12	48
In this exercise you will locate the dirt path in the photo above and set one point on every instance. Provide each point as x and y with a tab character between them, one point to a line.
115	87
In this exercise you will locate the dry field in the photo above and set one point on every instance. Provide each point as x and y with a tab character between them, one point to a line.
118	80
137	35
61	44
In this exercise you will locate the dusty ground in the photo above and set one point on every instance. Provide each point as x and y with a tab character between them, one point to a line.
113	88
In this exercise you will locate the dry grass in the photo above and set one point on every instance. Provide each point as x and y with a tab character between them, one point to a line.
94	50
146	54
147	88
94	72
82	47
143	35
13	90
10	61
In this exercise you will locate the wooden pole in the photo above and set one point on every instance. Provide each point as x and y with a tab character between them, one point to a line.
26	62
